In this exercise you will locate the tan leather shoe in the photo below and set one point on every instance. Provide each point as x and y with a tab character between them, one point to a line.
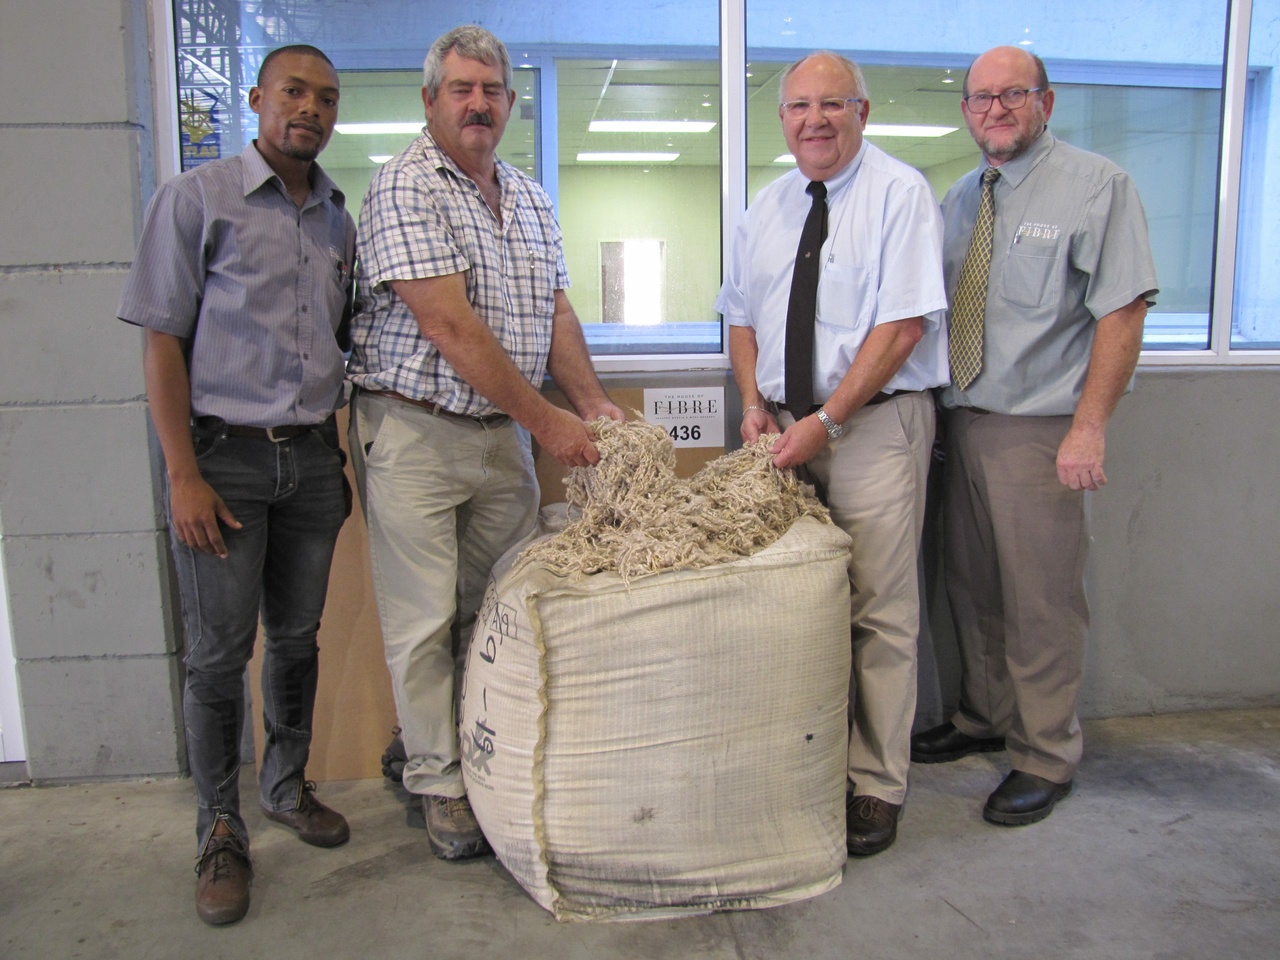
452	828
223	874
311	820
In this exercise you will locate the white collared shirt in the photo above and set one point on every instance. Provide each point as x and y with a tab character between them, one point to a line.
882	261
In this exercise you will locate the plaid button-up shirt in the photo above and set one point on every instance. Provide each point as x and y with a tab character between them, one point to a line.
424	218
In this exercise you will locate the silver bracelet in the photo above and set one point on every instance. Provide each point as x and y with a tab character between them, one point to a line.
746	410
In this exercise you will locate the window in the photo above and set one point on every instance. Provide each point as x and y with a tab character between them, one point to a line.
621	125
631	282
1256	320
1160	122
640	161
623	115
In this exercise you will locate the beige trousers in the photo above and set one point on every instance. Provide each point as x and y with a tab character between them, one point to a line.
875	478
1015	547
444	498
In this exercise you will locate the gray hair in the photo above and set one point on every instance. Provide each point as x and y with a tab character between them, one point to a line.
859	84
470	41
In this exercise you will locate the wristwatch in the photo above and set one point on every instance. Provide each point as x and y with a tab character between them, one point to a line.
834	430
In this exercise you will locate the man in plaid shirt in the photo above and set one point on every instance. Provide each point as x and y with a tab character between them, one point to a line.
463	314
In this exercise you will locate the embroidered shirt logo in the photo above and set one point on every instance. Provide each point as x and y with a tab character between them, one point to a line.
1037	232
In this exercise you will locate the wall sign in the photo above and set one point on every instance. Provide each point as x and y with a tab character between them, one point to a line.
692	417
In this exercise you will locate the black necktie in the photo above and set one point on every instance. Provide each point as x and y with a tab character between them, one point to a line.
802	307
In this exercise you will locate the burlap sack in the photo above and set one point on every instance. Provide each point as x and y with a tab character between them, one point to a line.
673	745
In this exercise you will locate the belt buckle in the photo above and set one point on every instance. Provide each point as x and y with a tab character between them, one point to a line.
271	435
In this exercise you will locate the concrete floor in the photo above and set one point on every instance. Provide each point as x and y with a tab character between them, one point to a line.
1169	848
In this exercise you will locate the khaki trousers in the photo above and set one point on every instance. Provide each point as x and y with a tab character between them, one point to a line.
875	478
444	498
1014	555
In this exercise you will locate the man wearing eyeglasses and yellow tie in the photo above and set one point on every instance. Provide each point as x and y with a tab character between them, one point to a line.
835	300
1049	274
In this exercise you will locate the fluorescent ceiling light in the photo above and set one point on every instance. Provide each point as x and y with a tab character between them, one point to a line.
651	126
367	128
906	130
889	130
627	157
380	157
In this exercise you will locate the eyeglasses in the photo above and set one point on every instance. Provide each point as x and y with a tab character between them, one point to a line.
1011	99
829	108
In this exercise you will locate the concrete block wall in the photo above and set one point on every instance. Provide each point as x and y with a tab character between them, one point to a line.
90	606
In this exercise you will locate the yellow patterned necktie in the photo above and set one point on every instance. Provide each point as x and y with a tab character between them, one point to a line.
970	309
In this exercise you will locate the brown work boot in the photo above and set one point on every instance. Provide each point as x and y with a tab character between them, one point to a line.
871	824
452	828
311	820
223	873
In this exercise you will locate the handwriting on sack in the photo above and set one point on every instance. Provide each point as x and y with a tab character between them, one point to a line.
479	747
480	743
500	623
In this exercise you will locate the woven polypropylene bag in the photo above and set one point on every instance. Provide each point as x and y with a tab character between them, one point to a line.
673	744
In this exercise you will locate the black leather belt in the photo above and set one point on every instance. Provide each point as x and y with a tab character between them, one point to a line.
275	434
880	397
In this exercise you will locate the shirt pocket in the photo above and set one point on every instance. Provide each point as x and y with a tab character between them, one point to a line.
845	297
1030	274
542	280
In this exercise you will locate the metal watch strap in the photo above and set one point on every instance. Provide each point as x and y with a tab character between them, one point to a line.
834	430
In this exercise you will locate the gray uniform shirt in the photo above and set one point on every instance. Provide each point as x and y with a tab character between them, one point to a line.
1070	247
257	285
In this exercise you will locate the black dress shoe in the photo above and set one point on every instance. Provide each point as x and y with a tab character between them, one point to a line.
945	743
1023	798
871	824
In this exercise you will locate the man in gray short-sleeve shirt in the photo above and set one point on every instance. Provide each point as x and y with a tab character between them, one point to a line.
240	282
1070	279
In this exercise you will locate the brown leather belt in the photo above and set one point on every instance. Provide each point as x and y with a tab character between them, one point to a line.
436	410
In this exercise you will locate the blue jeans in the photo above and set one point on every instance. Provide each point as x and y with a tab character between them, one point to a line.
289	496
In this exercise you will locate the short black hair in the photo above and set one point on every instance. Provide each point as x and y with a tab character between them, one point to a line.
303	48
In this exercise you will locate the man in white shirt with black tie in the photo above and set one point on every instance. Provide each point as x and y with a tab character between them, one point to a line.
863	428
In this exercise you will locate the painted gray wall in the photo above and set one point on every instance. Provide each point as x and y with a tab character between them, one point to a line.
80	528
1185	553
1187	535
